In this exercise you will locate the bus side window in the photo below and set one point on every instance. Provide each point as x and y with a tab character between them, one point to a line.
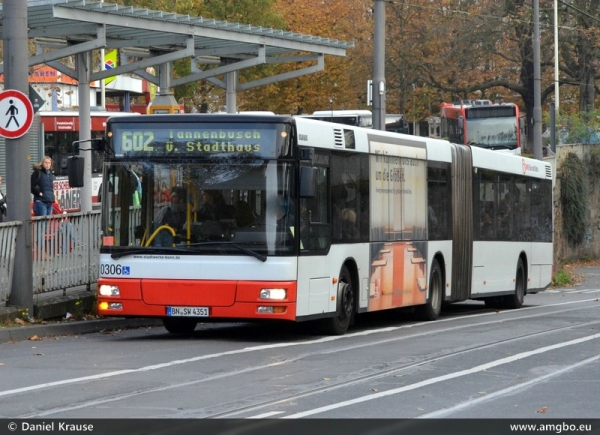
346	197
439	200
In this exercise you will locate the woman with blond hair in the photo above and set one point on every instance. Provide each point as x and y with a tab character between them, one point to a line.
42	187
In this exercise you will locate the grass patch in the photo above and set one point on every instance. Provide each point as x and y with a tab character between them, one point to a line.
562	278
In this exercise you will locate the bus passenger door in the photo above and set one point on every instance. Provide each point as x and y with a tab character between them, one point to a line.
315	223
314	273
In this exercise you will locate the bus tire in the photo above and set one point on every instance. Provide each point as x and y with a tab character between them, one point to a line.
179	325
338	325
433	307
515	300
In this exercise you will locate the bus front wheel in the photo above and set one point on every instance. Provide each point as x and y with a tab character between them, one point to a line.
179	325
338	325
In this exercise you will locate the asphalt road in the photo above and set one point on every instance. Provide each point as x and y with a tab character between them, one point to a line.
538	363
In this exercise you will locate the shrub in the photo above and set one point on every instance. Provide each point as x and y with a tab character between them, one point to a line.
574	198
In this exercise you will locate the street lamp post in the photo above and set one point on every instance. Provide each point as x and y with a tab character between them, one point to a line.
379	66
537	91
556	72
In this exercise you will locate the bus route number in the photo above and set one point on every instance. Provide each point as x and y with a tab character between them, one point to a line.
137	141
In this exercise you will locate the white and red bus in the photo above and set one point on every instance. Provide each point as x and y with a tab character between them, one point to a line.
317	221
483	124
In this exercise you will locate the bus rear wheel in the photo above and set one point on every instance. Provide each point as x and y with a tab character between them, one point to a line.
516	300
179	325
433	307
338	325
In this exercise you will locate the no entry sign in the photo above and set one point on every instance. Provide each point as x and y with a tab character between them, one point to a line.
16	114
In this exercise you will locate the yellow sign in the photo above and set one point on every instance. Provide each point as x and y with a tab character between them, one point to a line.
110	62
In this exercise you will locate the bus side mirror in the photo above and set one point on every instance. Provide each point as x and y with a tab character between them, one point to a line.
99	144
521	124
75	171
461	122
307	153
308	181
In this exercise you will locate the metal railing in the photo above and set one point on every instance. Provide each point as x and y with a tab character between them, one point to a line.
65	252
8	239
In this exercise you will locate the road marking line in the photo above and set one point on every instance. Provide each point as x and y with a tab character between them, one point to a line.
262	347
445	412
443	378
267	414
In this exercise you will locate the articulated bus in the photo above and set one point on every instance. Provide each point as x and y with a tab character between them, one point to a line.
315	221
483	124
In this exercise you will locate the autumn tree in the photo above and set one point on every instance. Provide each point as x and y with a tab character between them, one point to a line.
342	85
580	49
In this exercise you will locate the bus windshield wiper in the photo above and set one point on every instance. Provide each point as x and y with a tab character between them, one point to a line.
247	251
185	250
140	250
500	146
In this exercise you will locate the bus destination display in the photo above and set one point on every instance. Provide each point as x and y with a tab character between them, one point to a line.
185	140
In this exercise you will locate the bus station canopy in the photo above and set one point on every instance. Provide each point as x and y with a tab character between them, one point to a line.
147	38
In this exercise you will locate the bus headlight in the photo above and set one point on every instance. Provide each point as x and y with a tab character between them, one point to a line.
277	294
109	290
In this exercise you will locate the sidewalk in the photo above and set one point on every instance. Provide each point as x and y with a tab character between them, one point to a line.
56	305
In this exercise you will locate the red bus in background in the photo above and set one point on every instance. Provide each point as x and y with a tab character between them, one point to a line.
483	124
61	129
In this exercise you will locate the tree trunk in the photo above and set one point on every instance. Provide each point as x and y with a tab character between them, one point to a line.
587	91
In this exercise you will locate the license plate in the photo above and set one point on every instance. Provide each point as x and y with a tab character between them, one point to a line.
187	311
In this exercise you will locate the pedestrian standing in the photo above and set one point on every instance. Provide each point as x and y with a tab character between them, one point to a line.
42	187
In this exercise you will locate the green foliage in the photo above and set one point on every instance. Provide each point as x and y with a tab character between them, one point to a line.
562	278
595	162
253	12
582	127
574	198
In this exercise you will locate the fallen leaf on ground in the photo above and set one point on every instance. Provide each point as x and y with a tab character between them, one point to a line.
20	321
34	338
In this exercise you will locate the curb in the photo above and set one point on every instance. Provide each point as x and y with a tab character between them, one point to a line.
20	333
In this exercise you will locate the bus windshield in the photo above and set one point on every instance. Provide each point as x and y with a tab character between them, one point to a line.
492	132
199	207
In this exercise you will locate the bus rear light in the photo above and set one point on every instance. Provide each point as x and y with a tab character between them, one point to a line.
271	310
277	294
109	290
